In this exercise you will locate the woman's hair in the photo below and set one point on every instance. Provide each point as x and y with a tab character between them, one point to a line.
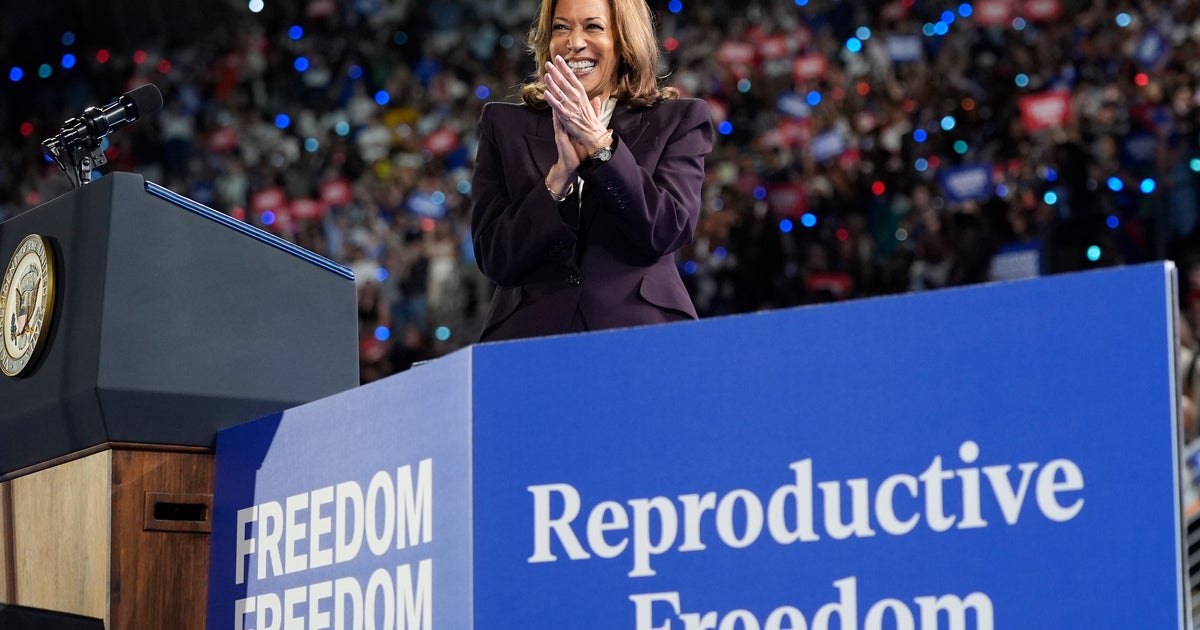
633	35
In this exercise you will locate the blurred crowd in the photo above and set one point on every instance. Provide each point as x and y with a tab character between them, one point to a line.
865	148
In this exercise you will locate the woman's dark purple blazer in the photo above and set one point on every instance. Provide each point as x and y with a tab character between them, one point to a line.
603	261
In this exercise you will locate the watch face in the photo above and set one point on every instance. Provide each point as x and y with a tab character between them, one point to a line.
26	304
604	154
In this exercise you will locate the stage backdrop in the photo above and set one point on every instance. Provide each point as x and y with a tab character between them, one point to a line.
1000	456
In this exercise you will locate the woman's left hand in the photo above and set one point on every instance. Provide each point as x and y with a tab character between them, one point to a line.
578	115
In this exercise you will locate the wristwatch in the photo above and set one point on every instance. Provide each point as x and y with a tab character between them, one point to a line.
601	155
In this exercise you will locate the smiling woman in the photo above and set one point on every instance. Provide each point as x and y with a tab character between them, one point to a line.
577	211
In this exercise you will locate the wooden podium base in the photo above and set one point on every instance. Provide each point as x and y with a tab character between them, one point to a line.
121	534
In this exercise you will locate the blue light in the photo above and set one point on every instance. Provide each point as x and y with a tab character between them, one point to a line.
941	28
690	267
785	226
813	99
295	32
382	333
760	193
438	197
720	253
1001	191
382	97
920	135
268	218
45	70
1019	23
356	72
921	165
801	3
311	145
675	6
1051	175
965	10
743	85
1022	80
863	33
1050	197
725	128
929	30
282	121
442	333
808	220
68	39
16	74
463	187
1124	20
68	61
960	147
1093	253
1112	221
1148	185
854	44
401	38
381	274
342	128
301	64
482	92
1115	184
948	123
1194	164
948	17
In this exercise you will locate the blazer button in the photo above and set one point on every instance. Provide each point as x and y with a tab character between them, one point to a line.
575	280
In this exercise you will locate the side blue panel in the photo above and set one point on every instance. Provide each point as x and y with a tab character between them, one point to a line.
352	511
995	456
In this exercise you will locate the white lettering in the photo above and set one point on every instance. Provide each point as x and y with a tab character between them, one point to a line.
1048	488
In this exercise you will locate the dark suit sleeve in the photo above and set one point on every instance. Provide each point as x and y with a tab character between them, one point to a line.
512	232
657	211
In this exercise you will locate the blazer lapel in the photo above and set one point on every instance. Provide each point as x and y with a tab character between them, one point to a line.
541	145
628	124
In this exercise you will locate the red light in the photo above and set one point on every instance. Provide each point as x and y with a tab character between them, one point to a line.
427	224
838	93
671	44
908	105
1141	79
26	129
934	161
863	88
102	56
843	234
878	188
238	213
33	198
164	66
139	57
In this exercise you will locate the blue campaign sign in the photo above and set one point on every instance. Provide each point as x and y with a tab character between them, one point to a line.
971	182
325	514
998	456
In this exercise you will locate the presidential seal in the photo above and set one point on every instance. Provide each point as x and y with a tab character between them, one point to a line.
26	304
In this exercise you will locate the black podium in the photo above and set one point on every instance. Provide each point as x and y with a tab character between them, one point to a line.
170	321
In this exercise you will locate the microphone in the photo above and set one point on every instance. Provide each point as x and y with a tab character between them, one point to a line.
76	148
95	122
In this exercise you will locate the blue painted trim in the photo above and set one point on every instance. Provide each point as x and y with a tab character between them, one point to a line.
249	230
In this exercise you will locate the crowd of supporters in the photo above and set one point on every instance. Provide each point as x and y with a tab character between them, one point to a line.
865	148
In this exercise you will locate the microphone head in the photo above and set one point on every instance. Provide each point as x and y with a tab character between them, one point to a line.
146	99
